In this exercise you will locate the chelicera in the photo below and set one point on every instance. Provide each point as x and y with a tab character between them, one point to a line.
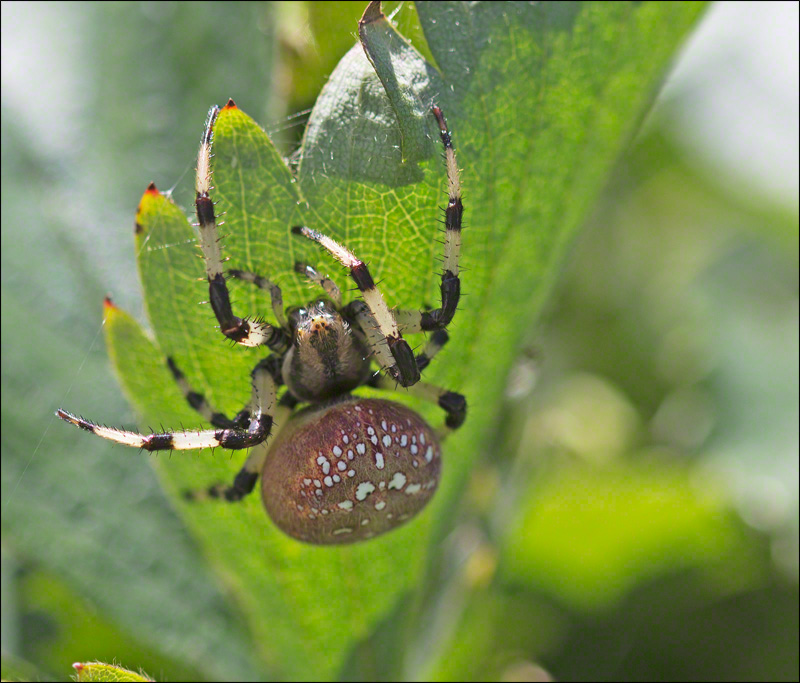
341	468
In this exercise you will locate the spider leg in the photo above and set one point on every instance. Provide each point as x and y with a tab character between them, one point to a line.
418	321
357	310
326	283
365	323
236	437
241	330
202	406
245	480
275	294
435	343
453	404
404	367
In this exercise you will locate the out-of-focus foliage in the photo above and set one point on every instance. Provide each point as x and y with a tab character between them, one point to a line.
631	518
612	544
623	503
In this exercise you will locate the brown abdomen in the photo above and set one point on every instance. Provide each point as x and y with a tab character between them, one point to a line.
350	470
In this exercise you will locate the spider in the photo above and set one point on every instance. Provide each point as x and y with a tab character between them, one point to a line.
343	468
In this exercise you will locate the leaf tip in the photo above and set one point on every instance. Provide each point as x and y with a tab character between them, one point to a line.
230	105
149	194
107	303
372	13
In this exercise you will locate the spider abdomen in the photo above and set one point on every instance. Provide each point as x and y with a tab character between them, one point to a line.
350	469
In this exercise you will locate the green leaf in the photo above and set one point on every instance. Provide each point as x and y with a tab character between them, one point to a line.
97	671
540	100
291	593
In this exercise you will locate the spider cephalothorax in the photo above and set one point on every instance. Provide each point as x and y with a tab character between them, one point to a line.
343	468
326	359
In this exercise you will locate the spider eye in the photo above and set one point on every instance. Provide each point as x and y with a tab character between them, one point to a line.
295	314
325	304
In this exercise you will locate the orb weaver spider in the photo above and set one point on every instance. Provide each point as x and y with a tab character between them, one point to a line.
343	468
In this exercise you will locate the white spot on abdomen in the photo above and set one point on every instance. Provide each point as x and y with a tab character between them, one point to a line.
398	481
364	489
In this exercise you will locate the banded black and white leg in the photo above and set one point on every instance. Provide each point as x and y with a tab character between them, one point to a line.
231	436
453	404
245	480
328	285
199	402
376	342
247	332
367	329
450	288
275	294
404	368
434	344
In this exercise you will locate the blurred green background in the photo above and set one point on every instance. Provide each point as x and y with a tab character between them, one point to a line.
637	516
